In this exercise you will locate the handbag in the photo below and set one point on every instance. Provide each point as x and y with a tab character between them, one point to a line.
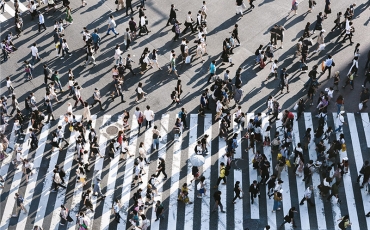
188	60
71	128
295	106
360	106
287	162
140	120
344	147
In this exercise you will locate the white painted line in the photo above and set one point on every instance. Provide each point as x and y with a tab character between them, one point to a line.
238	207
32	179
67	166
2	18
206	208
111	183
126	187
175	185
319	205
255	209
221	152
192	186
161	153
271	216
10	202
301	186
366	126
357	152
99	166
9	10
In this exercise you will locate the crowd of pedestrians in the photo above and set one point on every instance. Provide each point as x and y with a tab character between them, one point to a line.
219	95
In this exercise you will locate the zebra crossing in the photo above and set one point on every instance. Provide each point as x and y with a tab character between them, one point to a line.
9	10
43	206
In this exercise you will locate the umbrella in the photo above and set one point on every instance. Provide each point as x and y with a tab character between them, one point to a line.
197	160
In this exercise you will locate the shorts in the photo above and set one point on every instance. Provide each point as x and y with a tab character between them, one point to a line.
201	191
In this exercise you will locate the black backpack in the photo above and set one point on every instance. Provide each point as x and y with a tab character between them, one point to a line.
62	173
341	224
173	28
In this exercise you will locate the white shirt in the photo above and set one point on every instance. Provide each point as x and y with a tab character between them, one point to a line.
78	93
340	120
124	146
188	18
273	67
71	82
142	20
41	19
137	113
8	83
117	53
219	106
116	207
69	109
139	91
308	193
34	51
149	115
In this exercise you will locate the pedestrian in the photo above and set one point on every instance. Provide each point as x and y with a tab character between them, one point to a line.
239	7
337	22
57	181
156	137
273	70
184	194
162	168
222	175
254	190
237	191
289	218
69	15
278	197
172	66
311	5
212	70
20	205
344	222
41	21
112	25
34	53
319	20
364	97
90	56
307	196
159	210
49	110
116	209
120	3
294	7
65	48
189	23
64	215
320	41
217	198
172	17
349	80
335	192
97	98
354	67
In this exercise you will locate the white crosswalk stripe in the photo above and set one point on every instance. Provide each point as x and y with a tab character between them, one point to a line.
10	11
180	150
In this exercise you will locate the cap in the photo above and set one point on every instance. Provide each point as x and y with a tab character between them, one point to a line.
96	89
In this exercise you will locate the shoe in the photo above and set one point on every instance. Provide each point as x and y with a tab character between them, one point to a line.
223	211
301	204
368	215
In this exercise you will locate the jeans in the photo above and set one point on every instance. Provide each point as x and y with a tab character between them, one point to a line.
339	128
112	29
277	205
57	83
33	59
117	217
338	108
155	143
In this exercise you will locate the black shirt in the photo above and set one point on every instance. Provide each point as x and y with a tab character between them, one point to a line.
217	196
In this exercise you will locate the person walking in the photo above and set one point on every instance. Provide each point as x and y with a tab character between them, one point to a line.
116	209
349	31
155	136
329	62
307	196
65	49
364	97
222	175
64	215
159	210
212	70
173	65
149	117
344	222
69	15
127	38
20	205
189	23
41	21
237	191
34	53
97	98
289	218
95	40
162	168
111	26
254	190
57	181
49	110
278	197
294	7
217	198
340	121
172	18
120	3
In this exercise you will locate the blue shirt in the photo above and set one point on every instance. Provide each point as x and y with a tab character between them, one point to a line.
329	62
212	68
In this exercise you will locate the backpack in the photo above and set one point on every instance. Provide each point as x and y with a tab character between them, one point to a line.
337	145
341	224
173	28
257	52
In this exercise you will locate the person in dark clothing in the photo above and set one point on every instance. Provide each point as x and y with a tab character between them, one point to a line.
129	5
290	217
34	141
128	64
49	110
47	72
237	191
217	197
172	14
254	190
236	33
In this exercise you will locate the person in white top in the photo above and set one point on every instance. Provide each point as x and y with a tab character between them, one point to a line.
354	66
188	23
218	110
65	49
273	70
41	22
340	121
142	25
35	53
52	91
307	196
117	55
204	11
69	108
149	117
78	96
33	10
9	85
